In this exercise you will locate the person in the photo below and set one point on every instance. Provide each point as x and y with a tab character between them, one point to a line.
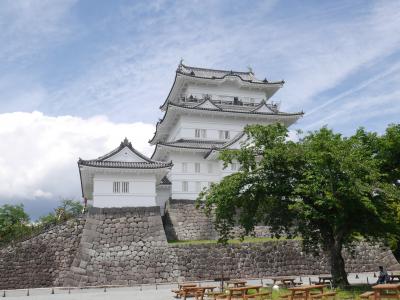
383	276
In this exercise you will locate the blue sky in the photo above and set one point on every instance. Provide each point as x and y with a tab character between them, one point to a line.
76	77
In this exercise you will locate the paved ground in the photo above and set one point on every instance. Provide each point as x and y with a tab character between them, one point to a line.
145	292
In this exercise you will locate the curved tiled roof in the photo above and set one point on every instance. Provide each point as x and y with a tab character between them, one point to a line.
220	74
235	110
124	164
102	161
215	74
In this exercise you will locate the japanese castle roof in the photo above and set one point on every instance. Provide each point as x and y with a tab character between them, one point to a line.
205	146
220	74
136	160
261	110
217	76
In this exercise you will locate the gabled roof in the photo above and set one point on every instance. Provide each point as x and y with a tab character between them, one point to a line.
207	103
234	110
107	161
220	74
226	145
247	78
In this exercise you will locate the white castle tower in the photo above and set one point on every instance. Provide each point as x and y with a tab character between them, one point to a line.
206	111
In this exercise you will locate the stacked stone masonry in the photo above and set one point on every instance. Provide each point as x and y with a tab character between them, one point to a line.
43	260
184	222
128	246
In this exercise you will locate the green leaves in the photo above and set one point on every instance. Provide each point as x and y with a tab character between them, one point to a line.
327	188
14	222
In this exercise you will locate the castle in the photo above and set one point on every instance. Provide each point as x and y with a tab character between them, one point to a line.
205	112
140	204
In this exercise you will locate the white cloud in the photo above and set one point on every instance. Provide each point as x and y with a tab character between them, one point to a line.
39	152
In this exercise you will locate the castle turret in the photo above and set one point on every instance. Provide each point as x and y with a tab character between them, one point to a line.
206	111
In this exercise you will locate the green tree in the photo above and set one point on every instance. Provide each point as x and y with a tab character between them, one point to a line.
68	209
327	188
14	223
387	150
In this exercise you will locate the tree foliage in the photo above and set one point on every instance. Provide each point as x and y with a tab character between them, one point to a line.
14	223
327	188
67	210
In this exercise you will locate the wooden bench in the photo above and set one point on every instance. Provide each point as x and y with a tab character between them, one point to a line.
297	295
367	295
326	295
261	295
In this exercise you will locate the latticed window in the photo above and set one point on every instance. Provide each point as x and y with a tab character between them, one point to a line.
125	187
121	187
197	167
116	187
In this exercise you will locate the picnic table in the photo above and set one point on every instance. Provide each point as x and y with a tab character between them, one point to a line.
236	283
242	291
386	291
286	281
306	289
196	291
322	279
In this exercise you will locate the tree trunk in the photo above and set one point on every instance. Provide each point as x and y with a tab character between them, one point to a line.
338	271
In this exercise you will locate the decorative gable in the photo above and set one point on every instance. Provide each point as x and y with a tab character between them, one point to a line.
207	104
262	108
126	155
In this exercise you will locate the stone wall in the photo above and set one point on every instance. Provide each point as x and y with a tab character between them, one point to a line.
184	222
128	246
272	258
42	260
122	246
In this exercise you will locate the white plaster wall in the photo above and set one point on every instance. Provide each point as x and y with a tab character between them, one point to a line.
226	90
186	126
142	190
177	175
163	194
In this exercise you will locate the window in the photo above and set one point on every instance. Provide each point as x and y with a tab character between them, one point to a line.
210	168
125	187
198	186
224	135
121	187
200	133
185	186
116	187
184	167
197	167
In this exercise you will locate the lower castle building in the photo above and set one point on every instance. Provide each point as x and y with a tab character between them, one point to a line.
205	112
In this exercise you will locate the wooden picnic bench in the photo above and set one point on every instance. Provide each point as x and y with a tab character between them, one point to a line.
367	295
236	283
306	290
386	291
242	292
285	281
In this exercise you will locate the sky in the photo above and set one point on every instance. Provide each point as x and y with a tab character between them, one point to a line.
76	77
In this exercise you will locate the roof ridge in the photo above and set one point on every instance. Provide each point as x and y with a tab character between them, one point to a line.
123	144
215	70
